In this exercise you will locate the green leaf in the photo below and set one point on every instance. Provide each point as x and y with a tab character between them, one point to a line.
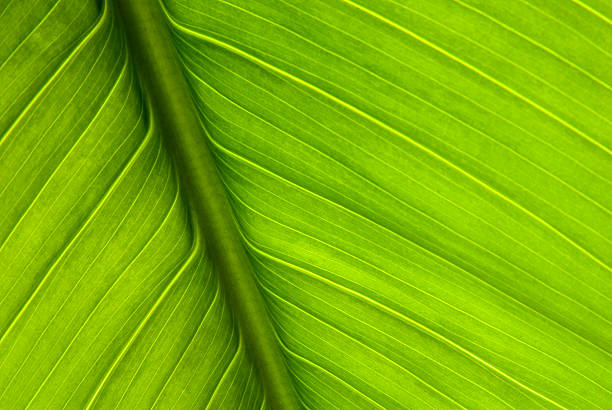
423	190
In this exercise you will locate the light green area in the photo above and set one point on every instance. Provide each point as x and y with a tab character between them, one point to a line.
424	188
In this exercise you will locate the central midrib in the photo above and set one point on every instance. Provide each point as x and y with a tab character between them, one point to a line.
161	74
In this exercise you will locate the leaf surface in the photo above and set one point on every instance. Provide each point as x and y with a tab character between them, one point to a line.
423	189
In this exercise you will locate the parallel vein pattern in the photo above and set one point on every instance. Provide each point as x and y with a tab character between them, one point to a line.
425	189
107	298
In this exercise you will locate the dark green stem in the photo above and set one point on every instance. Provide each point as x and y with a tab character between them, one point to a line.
165	84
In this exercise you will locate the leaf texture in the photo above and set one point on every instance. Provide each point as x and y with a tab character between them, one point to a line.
425	191
423	187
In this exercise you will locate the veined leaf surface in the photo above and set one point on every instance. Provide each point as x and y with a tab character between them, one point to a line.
423	189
